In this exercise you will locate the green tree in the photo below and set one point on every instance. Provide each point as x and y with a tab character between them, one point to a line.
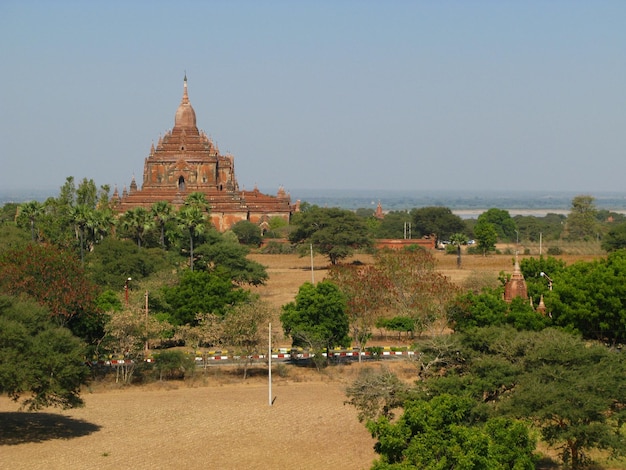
128	333
38	359
193	218
545	228
163	212
201	292
230	256
446	433
574	392
436	220
87	194
104	201
502	221
581	221
174	364
9	213
137	222
29	214
571	390
12	238
365	212
488	308
317	318
75	218
615	238
536	282
67	193
81	216
101	224
247	233
376	394
278	228
590	297
487	235
245	329
333	232
395	224
113	261
198	199
56	225
458	239
470	310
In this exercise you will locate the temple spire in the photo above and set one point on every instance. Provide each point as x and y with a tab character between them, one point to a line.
185	115
185	95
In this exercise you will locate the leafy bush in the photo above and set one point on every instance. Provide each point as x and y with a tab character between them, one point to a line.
451	249
399	323
174	364
375	351
247	233
473	250
555	251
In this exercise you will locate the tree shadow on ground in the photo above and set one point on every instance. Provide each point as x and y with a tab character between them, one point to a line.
21	427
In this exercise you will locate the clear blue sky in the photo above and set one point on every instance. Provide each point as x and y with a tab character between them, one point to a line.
411	95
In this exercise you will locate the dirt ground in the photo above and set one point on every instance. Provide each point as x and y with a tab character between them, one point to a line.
208	426
214	423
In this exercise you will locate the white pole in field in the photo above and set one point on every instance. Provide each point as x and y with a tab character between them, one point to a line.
269	356
540	236
146	322
312	271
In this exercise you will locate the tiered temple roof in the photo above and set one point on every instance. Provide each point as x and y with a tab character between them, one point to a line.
186	160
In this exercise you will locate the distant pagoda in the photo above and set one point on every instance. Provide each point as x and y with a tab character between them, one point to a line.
516	285
184	161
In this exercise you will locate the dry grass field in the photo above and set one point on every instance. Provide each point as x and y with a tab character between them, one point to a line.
210	425
216	421
288	272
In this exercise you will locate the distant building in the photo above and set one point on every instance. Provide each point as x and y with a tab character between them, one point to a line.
379	214
184	161
516	285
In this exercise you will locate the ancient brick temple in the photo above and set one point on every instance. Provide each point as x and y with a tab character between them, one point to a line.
516	285
184	161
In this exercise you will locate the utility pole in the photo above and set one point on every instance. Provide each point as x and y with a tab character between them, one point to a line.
312	271
146	322
269	359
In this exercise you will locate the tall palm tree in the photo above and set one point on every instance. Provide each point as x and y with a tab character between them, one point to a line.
29	213
101	224
193	220
81	216
138	221
163	212
458	239
197	199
